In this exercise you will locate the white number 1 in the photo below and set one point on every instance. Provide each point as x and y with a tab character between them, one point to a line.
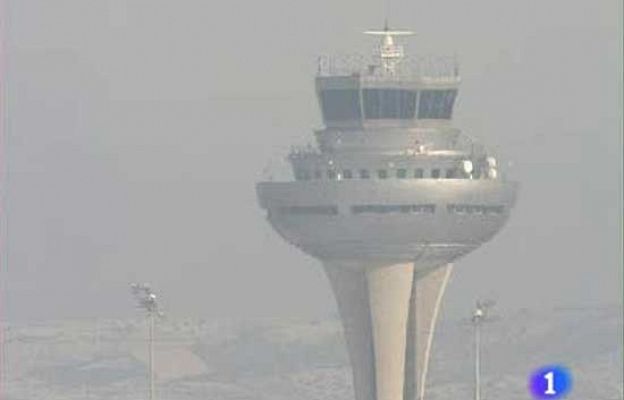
550	379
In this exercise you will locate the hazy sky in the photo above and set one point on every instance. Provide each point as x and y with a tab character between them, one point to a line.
137	129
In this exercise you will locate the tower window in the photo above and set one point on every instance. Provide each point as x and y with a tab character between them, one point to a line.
436	104
331	174
435	173
393	209
424	209
309	210
478	209
450	173
347	174
419	173
364	174
389	103
340	104
382	173
401	173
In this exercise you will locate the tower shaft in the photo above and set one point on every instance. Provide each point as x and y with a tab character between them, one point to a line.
388	314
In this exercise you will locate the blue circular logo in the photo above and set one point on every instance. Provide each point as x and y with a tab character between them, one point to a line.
550	382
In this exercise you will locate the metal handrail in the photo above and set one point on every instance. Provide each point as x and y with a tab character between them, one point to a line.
427	68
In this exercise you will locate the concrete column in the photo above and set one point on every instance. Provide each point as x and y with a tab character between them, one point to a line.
351	292
388	315
427	293
390	289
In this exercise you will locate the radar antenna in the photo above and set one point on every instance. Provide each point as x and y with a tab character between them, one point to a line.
389	51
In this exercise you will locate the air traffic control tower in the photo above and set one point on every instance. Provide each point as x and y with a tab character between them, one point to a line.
389	198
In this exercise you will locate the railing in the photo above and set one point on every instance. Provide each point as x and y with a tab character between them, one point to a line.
298	152
424	68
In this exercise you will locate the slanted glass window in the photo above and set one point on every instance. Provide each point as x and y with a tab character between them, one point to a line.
347	174
331	174
419	173
364	174
401	173
340	104
382	173
436	104
435	173
389	103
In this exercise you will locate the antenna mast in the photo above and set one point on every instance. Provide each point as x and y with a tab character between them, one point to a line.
389	51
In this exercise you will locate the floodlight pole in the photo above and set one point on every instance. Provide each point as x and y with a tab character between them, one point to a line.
477	319
147	301
477	366
151	354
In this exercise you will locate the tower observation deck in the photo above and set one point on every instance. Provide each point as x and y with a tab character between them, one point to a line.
389	198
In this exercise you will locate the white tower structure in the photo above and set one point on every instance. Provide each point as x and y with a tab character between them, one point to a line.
391	196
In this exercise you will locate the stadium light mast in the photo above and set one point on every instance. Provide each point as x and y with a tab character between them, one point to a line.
479	316
146	300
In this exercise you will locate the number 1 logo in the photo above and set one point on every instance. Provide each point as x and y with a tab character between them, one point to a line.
550	382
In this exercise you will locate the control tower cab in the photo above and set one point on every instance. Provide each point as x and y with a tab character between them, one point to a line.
394	91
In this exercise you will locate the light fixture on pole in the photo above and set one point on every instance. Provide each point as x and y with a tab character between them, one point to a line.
479	316
146	300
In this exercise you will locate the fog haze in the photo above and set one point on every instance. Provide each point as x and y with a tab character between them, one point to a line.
136	132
